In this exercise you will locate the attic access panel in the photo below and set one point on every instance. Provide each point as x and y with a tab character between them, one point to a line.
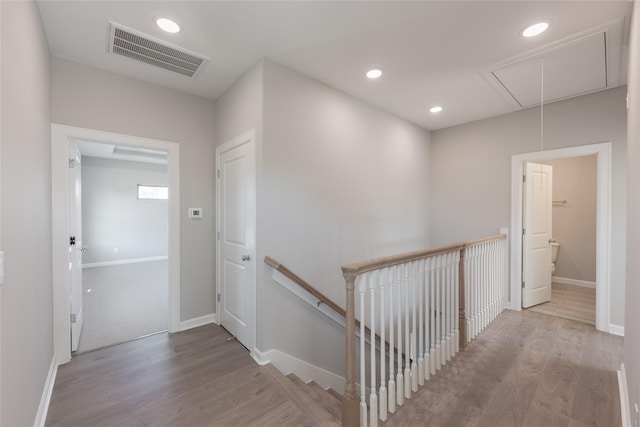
571	70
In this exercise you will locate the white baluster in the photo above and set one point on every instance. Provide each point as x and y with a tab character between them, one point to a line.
362	288
383	359
414	346
399	376
432	314
449	310
392	381
427	319
373	397
407	338
420	323
456	301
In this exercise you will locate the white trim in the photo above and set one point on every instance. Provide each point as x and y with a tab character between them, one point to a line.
603	223
41	416
60	135
248	137
305	371
616	329
124	261
574	282
623	389
198	321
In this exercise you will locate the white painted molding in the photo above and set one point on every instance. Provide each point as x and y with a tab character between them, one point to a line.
574	282
124	261
198	321
603	223
288	364
43	409
616	329
623	389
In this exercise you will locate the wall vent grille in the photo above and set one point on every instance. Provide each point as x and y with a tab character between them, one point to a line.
142	47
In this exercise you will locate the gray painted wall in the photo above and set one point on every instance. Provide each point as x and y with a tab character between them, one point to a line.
328	169
574	224
90	98
114	217
471	170
632	320
27	337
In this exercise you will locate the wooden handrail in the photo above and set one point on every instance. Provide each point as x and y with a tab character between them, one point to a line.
358	268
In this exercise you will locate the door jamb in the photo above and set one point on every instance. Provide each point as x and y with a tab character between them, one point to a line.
603	223
60	135
250	138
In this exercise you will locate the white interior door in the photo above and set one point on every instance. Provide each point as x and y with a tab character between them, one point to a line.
536	246
236	238
75	243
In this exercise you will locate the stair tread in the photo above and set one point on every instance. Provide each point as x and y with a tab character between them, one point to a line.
311	407
319	395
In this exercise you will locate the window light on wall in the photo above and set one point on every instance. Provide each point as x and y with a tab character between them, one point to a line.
153	192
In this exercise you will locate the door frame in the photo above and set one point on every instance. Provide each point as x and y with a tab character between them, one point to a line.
60	135
248	137
603	223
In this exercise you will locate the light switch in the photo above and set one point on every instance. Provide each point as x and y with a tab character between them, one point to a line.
1	267
195	213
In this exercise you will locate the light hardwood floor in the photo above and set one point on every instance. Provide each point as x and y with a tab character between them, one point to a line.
570	302
525	369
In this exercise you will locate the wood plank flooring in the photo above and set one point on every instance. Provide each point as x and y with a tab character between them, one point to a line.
525	369
570	302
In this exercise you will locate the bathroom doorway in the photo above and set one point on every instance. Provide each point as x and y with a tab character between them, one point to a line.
602	153
573	240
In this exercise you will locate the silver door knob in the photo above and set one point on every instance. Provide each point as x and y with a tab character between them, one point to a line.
246	257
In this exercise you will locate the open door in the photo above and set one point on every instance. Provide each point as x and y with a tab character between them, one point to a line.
536	239
75	244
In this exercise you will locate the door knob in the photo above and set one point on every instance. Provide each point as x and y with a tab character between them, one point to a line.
246	257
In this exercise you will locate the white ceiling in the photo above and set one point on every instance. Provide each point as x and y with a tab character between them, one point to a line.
431	52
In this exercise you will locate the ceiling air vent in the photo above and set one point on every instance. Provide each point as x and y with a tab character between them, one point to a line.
142	47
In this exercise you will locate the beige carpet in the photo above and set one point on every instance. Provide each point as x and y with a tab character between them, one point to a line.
123	302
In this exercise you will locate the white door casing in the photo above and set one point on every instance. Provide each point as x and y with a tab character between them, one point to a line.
603	224
75	247
537	232
60	137
236	231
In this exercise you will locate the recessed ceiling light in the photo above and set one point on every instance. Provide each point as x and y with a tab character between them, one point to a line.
535	29
374	73
435	109
168	25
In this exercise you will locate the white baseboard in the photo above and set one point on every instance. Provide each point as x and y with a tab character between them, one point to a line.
616	329
574	282
305	371
124	261
198	321
41	416
623	389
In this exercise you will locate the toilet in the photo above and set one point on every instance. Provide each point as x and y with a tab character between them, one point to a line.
554	255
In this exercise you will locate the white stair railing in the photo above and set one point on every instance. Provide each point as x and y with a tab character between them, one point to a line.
430	304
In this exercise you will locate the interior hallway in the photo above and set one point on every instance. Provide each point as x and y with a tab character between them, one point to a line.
570	302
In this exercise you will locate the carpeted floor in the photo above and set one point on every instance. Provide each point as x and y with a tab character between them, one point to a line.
123	302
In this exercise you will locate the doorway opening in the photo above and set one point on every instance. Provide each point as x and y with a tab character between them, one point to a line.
571	242
602	281
103	253
124	217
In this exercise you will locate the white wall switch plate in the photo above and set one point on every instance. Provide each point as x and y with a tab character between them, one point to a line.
195	213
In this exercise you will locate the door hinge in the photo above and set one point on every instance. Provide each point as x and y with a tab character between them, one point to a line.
523	283
72	163
74	318
524	231
72	240
218	297
524	178
218	173
218	235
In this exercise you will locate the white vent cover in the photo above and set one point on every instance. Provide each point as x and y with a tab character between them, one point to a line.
142	47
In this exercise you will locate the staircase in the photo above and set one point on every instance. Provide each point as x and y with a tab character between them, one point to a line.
323	407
